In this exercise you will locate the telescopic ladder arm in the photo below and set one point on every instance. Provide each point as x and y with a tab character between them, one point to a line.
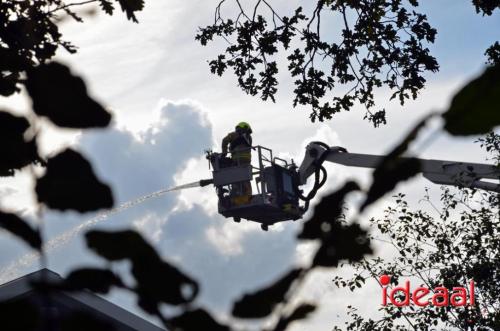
471	175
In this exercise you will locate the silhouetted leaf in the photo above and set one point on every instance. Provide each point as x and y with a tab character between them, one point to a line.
196	320
8	83
120	245
344	242
157	280
11	65
131	6
302	312
388	174
261	303
107	6
63	98
19	315
474	109
493	53
96	280
70	183
393	168
15	151
326	212
409	138
21	229
299	313
149	305
83	321
487	7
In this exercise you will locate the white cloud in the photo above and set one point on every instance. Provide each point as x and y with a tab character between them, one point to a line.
196	169
228	239
17	193
150	227
7	191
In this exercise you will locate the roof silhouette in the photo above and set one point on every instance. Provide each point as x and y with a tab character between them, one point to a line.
67	302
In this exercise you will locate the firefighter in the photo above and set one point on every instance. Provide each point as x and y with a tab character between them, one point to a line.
239	144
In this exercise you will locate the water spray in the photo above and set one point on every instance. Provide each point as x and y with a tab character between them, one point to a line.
12	270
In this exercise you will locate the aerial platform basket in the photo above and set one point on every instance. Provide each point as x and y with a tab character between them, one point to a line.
275	179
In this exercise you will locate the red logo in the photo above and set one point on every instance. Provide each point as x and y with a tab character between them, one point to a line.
423	296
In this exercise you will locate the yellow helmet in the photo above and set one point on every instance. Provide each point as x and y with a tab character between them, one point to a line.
244	126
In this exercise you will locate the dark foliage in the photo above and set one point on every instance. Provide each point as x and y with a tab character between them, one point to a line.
261	303
393	168
474	109
339	241
403	145
93	279
122	245
30	36
156	280
161	282
388	175
382	43
486	7
63	98
326	213
15	151
107	6
459	243
493	54
301	312
344	242
70	183
491	143
20	228
130	7
195	320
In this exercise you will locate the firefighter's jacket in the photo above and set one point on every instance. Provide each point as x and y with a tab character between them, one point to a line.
239	145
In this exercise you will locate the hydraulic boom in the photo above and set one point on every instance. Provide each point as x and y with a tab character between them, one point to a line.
472	175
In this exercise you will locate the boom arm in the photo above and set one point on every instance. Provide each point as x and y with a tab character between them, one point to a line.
470	175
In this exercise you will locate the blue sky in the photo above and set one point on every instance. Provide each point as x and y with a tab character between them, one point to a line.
462	37
168	108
